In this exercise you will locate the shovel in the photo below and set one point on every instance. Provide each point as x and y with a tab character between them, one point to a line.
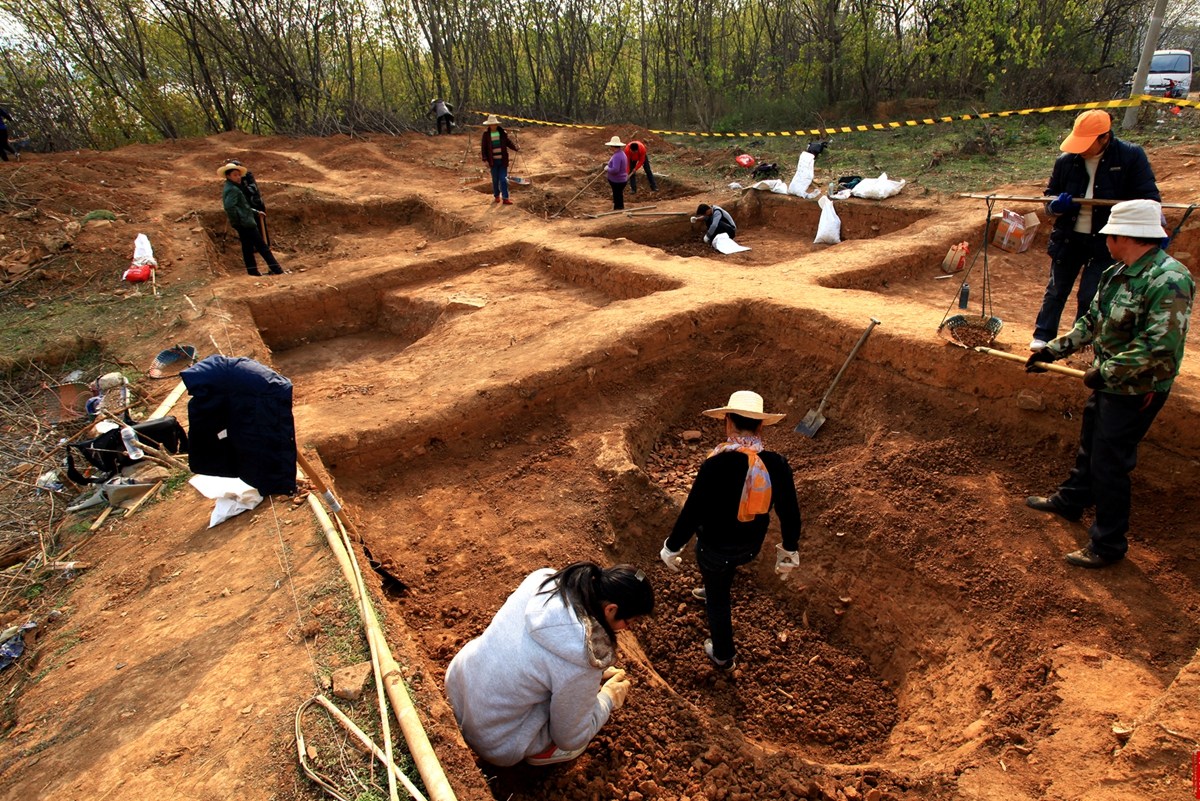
813	421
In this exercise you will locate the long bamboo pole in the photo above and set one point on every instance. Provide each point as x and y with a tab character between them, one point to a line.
350	726
419	746
1012	357
326	493
1085	201
167	405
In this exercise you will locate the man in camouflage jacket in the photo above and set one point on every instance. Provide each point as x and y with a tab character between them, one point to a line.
1137	324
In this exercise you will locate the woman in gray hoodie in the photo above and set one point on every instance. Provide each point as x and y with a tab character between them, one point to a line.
530	687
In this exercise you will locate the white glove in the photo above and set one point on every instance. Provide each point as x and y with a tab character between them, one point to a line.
693	219
707	240
616	688
785	562
670	558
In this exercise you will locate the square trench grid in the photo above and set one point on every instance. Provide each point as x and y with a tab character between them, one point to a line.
438	318
310	232
775	228
931	630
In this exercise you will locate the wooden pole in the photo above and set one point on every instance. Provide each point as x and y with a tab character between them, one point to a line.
167	405
577	194
326	493
349	726
1085	201
1053	368
619	211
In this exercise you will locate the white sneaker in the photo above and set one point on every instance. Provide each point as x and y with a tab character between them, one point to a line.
554	754
699	594
1037	345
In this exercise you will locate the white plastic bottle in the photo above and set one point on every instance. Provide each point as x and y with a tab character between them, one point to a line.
129	437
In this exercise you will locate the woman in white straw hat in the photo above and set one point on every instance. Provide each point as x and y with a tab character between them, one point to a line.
728	510
617	171
494	147
1137	325
244	220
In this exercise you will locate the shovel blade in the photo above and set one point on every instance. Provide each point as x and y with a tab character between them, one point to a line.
811	423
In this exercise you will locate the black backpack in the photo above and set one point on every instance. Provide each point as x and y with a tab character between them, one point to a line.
107	451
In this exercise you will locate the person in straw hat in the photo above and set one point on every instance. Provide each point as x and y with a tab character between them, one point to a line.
1093	164
244	220
617	171
494	147
1136	324
728	509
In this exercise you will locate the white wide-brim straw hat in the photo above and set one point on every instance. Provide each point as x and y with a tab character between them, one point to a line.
1141	218
491	120
747	404
222	172
614	142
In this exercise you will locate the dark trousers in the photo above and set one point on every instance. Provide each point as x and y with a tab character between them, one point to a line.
1113	425
650	175
717	586
1063	272
5	147
449	120
618	194
723	227
499	179
252	242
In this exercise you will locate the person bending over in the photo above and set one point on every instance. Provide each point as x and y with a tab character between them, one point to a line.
540	681
716	221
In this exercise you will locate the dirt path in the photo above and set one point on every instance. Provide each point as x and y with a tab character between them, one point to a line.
496	391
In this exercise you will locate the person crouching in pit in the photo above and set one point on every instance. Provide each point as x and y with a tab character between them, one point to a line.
716	221
540	681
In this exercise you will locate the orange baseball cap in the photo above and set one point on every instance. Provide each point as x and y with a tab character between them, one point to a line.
1088	126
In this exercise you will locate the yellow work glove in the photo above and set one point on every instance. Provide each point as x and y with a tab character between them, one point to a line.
615	687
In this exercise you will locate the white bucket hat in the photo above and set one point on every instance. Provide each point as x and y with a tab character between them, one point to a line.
614	142
747	404
491	120
1140	218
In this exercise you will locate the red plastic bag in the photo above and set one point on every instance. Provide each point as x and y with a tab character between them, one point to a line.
137	273
745	161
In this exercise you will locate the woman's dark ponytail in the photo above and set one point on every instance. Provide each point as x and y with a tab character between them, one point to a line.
588	588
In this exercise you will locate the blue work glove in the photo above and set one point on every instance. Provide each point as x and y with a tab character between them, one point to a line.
1063	204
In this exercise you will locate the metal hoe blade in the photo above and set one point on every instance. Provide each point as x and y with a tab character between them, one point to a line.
813	421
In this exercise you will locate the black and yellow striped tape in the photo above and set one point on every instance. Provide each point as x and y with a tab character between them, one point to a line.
1137	100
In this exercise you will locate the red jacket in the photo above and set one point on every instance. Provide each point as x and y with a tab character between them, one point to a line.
506	144
635	161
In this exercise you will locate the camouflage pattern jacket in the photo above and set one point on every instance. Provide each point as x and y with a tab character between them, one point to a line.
1136	325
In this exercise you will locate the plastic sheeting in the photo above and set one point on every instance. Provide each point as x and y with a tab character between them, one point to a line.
232	495
725	245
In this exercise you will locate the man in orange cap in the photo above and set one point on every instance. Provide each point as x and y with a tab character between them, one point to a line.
1093	164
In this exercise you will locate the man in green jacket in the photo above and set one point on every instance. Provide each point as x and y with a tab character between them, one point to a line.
245	220
1137	324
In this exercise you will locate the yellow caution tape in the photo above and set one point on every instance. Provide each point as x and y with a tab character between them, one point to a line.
1136	100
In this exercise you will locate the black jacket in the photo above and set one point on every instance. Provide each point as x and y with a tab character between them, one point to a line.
250	190
1124	173
241	423
710	511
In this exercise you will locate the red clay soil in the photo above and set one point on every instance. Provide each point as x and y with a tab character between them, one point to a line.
495	391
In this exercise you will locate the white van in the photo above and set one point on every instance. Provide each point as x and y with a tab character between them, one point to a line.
1170	74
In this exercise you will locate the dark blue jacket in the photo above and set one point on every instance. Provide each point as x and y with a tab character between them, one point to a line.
241	423
1124	173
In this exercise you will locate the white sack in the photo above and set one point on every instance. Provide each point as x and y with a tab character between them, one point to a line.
735	185
803	178
772	185
142	252
233	496
829	228
723	243
877	188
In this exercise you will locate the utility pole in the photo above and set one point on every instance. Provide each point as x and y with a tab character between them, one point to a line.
1143	70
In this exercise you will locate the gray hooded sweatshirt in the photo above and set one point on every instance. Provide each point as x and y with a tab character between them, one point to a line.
532	679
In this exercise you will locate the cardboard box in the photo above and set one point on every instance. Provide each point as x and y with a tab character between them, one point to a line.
1014	232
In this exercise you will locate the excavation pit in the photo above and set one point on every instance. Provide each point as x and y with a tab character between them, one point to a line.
775	228
898	646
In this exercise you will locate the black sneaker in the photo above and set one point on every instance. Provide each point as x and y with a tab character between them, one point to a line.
1047	505
725	666
1086	557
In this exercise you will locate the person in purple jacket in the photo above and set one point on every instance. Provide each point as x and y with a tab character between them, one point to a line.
617	171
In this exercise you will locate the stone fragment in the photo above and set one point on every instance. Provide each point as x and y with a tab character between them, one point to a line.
97	224
348	682
465	303
691	435
1028	399
874	794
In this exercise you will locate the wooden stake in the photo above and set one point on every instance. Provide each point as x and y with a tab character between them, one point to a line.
349	726
326	493
153	491
100	520
167	405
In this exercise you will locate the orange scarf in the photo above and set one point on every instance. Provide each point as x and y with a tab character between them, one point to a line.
756	492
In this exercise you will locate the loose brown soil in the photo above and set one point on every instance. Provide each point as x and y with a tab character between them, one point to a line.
496	391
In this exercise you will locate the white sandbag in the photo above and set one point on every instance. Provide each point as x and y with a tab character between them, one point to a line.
772	185
829	228
142	252
736	185
233	496
723	243
877	188
803	178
